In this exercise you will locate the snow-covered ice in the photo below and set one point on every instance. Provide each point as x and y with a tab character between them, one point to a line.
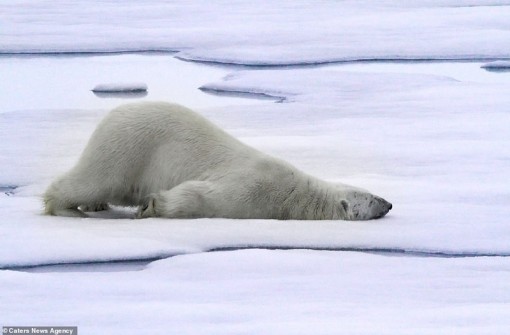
51	78
271	292
430	137
382	134
261	33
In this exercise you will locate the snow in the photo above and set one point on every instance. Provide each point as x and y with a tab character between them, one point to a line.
240	32
52	76
271	292
430	137
120	87
382	135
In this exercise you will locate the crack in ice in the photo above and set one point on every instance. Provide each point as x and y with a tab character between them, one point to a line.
127	264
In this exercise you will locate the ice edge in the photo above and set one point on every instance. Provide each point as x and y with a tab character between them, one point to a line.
375	251
243	93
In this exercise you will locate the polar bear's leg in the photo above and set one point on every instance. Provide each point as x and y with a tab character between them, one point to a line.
69	193
190	199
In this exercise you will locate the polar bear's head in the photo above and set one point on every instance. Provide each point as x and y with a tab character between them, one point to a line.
362	205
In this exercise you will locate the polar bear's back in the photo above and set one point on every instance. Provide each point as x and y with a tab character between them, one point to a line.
154	145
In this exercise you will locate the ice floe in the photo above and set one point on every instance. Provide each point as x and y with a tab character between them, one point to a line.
435	145
243	32
500	65
120	88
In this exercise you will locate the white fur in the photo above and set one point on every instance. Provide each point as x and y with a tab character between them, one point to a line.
174	163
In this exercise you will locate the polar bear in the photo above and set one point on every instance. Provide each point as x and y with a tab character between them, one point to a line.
173	163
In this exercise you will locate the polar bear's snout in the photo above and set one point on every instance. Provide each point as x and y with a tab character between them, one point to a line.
380	207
